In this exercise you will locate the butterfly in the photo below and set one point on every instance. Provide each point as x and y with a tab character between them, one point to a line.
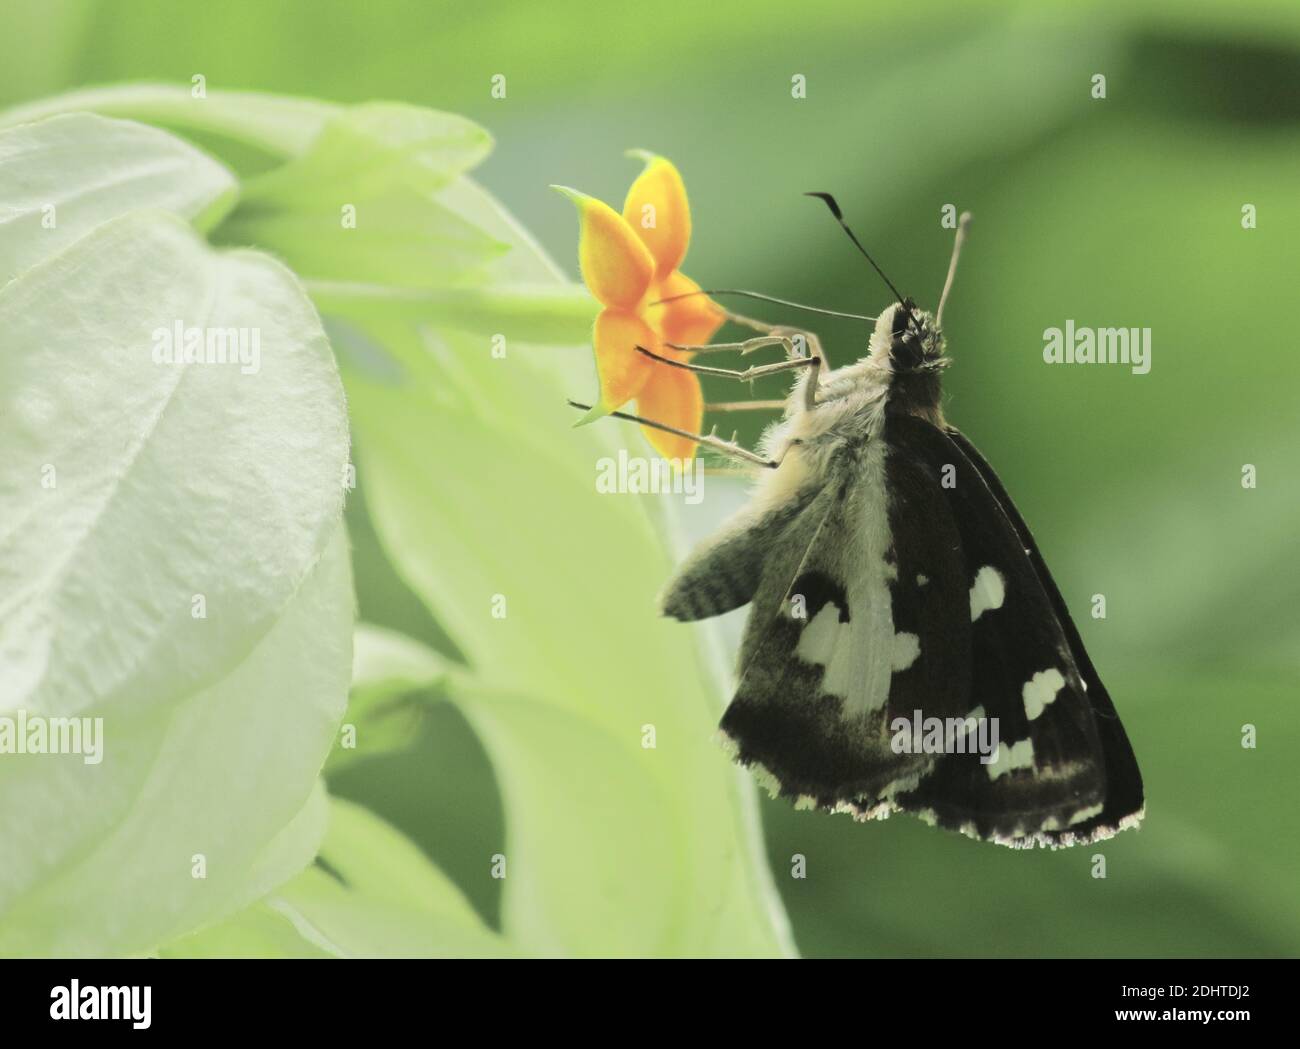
907	649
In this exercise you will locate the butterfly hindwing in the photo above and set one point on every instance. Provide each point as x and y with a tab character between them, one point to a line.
824	665
723	573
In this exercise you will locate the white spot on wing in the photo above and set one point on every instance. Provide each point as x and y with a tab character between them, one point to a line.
921	580
1040	690
987	592
818	639
906	648
828	643
1017	756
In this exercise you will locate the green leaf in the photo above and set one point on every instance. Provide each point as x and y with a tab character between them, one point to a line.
387	161
68	174
700	884
147	455
173	563
358	204
599	857
401	238
373	859
457	459
277	124
386	663
539	314
383	899
354	925
260	931
366	151
382	714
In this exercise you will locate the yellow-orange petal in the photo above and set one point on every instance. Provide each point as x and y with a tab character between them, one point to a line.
616	266
657	210
672	396
623	371
688	322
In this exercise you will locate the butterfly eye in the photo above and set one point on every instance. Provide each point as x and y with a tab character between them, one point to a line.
900	321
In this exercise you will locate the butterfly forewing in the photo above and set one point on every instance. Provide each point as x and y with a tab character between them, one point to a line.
1048	770
1123	802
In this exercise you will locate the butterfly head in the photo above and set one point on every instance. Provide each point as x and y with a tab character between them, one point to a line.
907	339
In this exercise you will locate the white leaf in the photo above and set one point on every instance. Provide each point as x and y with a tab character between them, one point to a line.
130	489
62	177
171	482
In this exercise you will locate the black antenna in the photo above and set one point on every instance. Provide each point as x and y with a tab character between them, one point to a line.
764	298
839	217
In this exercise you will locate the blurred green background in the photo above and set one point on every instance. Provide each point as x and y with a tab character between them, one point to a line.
1117	212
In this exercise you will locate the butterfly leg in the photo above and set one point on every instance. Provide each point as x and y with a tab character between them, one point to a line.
709	440
799	344
744	406
748	375
812	344
809	397
746	347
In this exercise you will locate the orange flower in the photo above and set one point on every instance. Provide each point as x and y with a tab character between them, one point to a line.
629	262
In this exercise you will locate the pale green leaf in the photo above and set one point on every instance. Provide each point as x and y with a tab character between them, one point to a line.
257	932
369	150
62	177
376	861
382	899
277	124
100	859
401	238
383	714
132	490
119	472
593	867
386	662
558	314
353	925
358	204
